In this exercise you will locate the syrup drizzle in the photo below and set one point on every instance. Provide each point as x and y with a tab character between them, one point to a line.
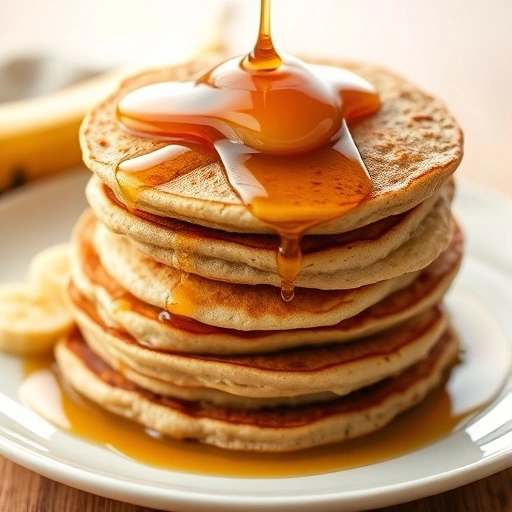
264	56
279	128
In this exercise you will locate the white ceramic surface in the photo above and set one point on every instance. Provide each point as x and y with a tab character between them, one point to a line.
480	303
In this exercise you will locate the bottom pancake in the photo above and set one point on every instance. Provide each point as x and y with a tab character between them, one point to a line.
277	429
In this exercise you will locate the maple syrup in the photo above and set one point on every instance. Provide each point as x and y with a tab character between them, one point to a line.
279	128
441	413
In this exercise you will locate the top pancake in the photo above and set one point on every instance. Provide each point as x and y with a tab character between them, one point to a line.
410	147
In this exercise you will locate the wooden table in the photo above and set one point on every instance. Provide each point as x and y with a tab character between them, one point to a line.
24	491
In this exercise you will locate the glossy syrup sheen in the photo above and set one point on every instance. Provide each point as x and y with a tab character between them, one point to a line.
278	127
53	398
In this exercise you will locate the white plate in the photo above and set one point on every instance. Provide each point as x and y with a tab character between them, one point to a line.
481	303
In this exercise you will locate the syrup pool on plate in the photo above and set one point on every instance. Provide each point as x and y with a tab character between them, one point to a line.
442	412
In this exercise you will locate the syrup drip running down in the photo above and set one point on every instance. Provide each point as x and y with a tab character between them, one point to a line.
279	128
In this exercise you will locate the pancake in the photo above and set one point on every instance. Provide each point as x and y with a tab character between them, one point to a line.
425	244
203	394
251	259
154	327
278	429
220	304
169	388
410	147
339	368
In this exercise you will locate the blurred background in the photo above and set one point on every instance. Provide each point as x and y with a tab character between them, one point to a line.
459	50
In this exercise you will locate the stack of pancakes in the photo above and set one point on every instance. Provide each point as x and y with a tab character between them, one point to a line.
233	365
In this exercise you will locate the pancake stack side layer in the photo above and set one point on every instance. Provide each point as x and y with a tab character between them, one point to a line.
365	338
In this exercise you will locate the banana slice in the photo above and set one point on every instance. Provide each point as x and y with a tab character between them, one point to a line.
49	271
30	322
33	315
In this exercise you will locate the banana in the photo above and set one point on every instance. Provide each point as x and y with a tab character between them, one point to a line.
49	271
39	136
33	315
30	323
